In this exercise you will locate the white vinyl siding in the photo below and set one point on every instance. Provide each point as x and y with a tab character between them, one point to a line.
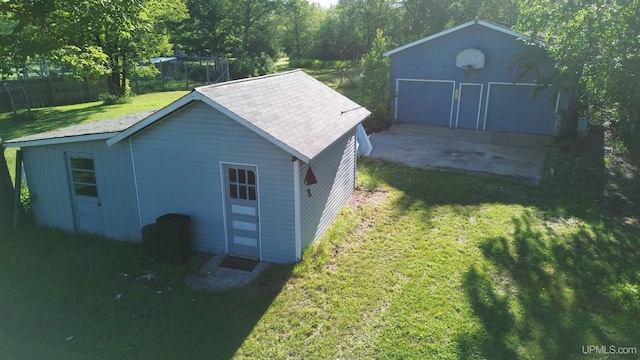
177	164
48	178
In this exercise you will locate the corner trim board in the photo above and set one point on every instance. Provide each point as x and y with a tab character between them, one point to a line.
296	209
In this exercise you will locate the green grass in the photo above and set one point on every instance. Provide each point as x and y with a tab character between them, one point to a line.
52	118
455	266
83	297
429	264
61	116
347	82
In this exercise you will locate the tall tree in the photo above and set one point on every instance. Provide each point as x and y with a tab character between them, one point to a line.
126	31
596	45
421	18
350	27
329	44
254	22
208	29
376	72
299	23
499	11
25	31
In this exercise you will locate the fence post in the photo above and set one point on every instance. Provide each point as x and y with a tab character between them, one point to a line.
26	98
51	95
186	73
13	105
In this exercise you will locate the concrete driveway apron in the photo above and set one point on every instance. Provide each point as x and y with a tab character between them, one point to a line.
519	156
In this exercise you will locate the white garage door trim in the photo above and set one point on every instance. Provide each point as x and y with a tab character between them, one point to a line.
460	100
486	105
453	89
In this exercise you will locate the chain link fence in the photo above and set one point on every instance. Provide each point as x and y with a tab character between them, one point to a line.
53	88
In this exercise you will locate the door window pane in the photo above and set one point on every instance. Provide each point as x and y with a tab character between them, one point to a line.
242	184
84	176
82	163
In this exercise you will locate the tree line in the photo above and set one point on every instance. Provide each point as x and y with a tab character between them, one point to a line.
596	43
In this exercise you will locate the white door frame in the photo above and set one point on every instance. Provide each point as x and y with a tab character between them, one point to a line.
479	103
93	203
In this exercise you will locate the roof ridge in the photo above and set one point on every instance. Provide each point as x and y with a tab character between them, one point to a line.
245	80
476	21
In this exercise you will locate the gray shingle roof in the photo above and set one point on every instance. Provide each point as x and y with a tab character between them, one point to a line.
71	133
293	107
292	110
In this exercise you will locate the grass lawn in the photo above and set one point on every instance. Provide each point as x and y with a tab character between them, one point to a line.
60	116
421	264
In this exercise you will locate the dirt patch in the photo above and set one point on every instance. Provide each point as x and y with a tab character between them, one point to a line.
361	198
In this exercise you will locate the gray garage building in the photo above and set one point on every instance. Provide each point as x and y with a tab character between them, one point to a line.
261	166
465	77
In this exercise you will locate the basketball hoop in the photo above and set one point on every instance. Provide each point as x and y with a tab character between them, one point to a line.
469	71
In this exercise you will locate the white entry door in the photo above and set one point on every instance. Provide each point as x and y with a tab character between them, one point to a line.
87	206
242	211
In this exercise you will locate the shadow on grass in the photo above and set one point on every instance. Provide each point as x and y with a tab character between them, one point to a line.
47	119
568	274
74	296
574	187
553	293
425	190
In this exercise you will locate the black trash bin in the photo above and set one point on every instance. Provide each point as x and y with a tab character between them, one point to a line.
174	237
150	240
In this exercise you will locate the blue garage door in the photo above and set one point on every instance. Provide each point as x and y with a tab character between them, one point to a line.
514	108
425	102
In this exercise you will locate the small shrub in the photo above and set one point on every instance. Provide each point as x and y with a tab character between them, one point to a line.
377	122
626	295
110	99
24	116
322	64
198	72
246	66
25	200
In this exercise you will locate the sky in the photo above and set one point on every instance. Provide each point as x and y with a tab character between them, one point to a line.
325	3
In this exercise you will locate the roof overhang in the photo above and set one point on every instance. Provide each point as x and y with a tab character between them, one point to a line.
59	140
486	24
